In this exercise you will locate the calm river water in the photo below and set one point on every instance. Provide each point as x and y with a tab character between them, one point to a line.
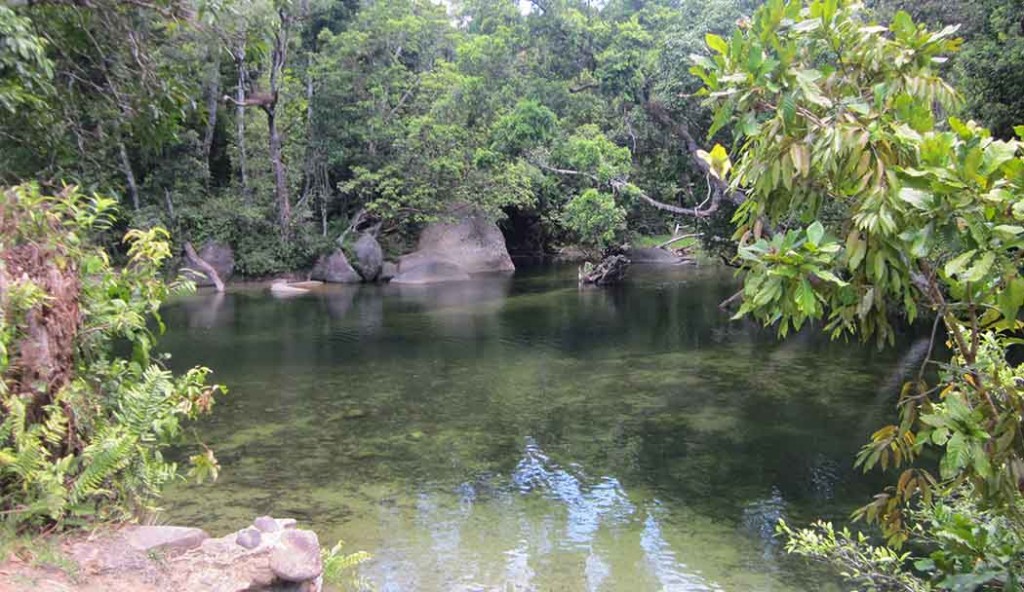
524	434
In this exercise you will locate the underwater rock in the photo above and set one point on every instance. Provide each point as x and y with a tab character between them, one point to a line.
433	271
283	289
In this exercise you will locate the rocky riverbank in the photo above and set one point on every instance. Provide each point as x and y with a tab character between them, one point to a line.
270	554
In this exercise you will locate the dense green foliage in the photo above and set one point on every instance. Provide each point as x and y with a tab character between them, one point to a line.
84	427
400	109
270	124
876	182
862	207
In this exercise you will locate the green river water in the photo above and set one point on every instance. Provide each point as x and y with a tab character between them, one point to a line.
524	434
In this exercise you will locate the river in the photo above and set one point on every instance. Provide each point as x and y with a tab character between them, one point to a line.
525	434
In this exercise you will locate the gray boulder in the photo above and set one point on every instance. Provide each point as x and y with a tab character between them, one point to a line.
164	538
654	256
248	538
473	243
388	271
335	269
296	558
219	256
369	257
429	271
266	524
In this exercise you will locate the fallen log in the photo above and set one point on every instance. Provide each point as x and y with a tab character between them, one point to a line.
611	270
203	266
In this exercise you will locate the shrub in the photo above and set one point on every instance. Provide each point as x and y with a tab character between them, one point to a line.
85	426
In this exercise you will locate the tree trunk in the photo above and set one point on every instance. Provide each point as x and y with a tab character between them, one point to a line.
129	176
170	203
211	109
611	270
240	118
278	57
199	262
284	208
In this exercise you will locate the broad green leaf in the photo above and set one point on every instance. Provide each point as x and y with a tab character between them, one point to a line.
856	247
805	299
815	232
716	43
980	269
958	264
921	200
828	276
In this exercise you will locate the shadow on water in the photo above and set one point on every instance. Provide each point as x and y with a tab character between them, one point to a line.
519	433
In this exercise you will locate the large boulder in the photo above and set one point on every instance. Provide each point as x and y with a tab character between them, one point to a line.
429	271
335	269
296	558
388	271
473	243
220	257
369	257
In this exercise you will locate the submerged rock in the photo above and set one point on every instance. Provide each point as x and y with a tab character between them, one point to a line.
282	289
307	285
335	269
431	271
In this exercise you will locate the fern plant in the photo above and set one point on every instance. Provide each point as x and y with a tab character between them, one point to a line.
83	428
340	567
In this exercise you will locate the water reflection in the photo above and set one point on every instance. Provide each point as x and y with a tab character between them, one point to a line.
577	515
523	434
662	561
206	310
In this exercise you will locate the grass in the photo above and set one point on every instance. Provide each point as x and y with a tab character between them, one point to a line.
42	552
645	242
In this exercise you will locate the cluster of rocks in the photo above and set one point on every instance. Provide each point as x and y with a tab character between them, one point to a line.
446	252
270	554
